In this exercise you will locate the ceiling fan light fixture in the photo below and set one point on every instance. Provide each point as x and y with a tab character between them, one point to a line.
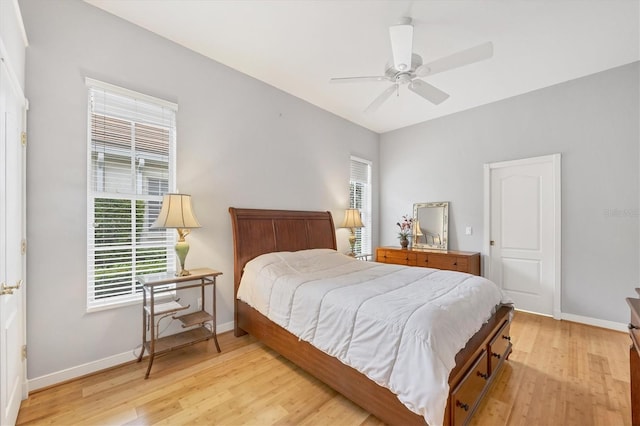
403	78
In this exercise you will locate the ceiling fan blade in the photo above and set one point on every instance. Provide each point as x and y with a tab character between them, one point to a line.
402	44
427	91
382	97
459	59
358	79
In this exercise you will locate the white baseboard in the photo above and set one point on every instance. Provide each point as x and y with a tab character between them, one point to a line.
112	361
612	325
79	370
94	366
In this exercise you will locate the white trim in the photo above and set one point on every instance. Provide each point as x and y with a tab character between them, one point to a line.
555	160
95	366
14	84
13	78
611	325
94	86
362	160
25	382
23	31
128	300
557	198
130	93
595	322
115	360
486	247
368	198
79	371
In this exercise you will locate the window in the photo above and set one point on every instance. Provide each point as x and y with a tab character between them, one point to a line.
131	165
360	198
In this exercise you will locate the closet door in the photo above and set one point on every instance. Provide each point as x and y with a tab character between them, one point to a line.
525	233
12	263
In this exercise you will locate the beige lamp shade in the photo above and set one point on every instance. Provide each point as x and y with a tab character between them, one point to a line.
176	212
352	219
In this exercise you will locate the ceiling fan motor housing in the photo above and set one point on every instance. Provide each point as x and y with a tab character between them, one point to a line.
403	77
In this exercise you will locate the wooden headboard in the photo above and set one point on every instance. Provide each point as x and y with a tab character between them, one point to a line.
256	232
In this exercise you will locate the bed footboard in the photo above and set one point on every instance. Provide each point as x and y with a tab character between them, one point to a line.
465	391
354	385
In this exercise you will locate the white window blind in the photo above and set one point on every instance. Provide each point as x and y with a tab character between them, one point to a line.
360	198
131	164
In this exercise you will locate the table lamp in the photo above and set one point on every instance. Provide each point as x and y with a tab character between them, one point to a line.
176	212
352	221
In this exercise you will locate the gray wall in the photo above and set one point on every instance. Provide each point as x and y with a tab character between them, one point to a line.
240	143
593	122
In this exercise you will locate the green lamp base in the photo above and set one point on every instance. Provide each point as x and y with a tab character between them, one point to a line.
182	248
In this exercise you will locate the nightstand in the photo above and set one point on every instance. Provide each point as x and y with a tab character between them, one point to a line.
201	324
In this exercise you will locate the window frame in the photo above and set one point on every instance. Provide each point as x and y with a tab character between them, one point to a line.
364	236
135	195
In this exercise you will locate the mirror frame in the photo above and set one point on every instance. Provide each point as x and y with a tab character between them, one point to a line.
444	243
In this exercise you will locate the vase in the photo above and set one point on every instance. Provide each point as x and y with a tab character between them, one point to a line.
404	242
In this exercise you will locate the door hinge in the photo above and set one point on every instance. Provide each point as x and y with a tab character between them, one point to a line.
24	352
23	247
23	138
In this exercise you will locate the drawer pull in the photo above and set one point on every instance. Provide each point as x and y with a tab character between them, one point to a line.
483	375
507	338
495	354
465	407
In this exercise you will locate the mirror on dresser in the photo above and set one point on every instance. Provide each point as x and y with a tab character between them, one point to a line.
430	225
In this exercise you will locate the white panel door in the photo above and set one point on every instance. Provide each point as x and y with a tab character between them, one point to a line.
12	290
523	234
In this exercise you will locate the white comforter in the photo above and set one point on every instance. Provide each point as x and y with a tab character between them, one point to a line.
400	326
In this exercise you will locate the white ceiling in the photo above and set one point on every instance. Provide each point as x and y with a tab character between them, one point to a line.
297	46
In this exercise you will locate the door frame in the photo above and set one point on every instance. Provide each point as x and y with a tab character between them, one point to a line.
13	83
555	160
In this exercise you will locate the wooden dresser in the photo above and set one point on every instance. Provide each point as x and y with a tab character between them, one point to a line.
634	358
462	261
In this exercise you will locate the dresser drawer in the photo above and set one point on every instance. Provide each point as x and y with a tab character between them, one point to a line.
438	261
422	259
398	257
466	394
435	261
499	347
462	264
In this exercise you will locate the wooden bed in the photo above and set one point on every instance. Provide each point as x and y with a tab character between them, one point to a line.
256	232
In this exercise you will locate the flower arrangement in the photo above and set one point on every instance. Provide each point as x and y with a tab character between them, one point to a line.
405	227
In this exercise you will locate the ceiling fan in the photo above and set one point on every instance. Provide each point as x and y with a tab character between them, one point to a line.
407	67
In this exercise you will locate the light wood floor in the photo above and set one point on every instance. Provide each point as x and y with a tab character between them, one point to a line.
560	373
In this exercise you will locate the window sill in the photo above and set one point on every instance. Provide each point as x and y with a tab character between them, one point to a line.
135	300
